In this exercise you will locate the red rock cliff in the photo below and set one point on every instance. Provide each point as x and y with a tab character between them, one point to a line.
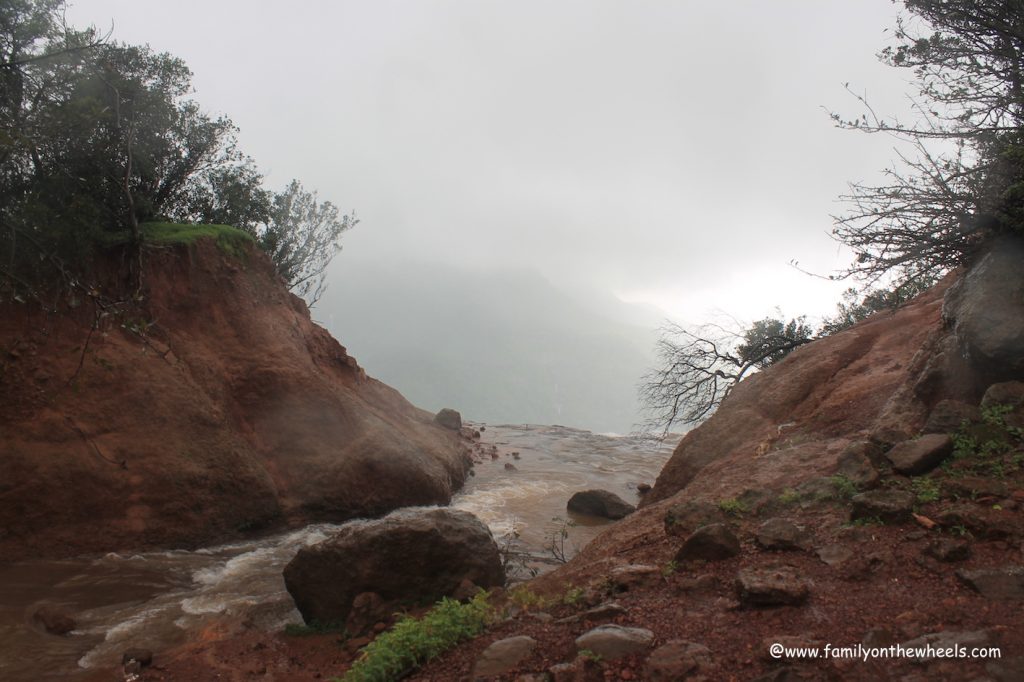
215	407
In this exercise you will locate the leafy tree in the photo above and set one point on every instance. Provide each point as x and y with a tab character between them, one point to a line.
962	179
697	369
97	138
302	238
857	305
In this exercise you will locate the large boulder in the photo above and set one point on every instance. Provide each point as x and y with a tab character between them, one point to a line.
921	455
449	419
600	503
409	556
986	310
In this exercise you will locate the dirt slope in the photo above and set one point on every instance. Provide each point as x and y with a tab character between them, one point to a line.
215	407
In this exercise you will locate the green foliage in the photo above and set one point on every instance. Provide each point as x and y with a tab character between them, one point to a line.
989	449
789	496
97	138
857	305
769	340
229	239
314	628
733	507
670	568
926	489
526	599
844	487
590	655
415	641
866	521
573	596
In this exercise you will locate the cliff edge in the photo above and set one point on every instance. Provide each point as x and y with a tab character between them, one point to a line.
214	407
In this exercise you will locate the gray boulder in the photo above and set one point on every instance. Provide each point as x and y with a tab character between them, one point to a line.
921	455
614	641
503	655
1005	582
449	419
600	503
986	310
893	506
771	587
410	556
684	518
782	534
710	543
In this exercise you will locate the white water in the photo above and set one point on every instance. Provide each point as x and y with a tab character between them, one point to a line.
160	599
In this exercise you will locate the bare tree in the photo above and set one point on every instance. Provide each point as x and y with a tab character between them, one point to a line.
697	369
958	181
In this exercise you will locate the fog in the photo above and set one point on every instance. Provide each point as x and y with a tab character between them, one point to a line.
672	155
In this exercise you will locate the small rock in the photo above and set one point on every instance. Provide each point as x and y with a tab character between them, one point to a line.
710	543
948	415
971	487
771	587
835	555
623	578
984	522
684	518
1005	393
921	455
54	620
466	590
449	419
643	488
781	534
1006	582
356	643
144	657
607	611
503	655
614	641
892	506
367	609
948	549
856	466
601	503
787	642
948	640
509	466
676	660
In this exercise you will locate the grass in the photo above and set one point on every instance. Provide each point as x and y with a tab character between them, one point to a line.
844	487
991	448
789	496
229	239
414	641
732	507
573	596
926	489
527	599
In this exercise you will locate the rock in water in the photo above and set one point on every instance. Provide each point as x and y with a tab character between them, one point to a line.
412	555
449	419
600	503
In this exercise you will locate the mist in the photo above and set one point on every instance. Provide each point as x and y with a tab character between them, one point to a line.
514	165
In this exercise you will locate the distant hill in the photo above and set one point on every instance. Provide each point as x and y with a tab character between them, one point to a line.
502	346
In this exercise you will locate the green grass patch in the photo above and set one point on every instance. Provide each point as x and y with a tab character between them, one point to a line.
844	487
733	507
229	239
789	496
926	489
414	641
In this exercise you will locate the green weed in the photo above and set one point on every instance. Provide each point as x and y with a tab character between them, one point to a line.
414	641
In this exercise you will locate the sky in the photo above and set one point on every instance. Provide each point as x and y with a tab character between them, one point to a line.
676	154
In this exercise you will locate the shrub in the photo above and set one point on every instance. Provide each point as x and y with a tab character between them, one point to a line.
414	641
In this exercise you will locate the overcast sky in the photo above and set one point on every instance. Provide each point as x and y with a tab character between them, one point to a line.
675	153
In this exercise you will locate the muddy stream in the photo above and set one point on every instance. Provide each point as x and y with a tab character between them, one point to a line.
157	600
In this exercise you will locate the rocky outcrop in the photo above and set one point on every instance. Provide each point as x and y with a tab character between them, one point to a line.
214	407
410	556
601	503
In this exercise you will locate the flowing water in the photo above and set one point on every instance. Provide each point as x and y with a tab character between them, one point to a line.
157	600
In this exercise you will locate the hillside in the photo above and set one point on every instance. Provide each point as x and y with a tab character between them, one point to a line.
214	407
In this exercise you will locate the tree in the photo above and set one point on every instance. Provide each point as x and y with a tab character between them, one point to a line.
962	179
697	369
302	238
